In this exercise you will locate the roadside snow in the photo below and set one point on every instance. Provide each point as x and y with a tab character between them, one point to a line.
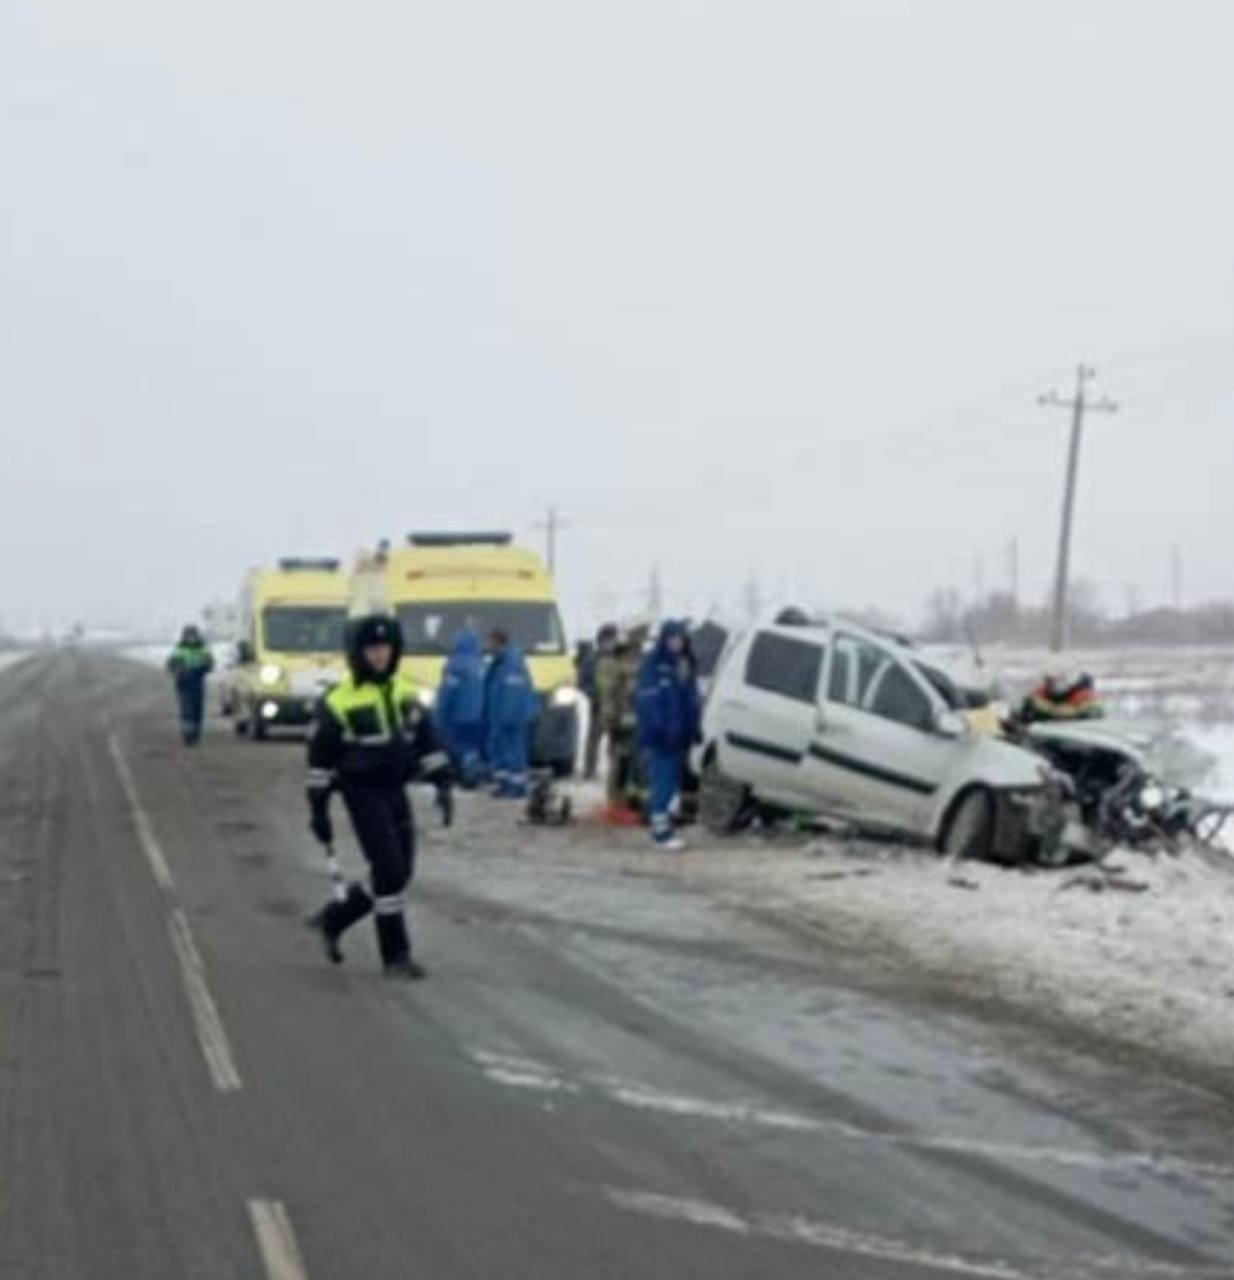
1152	967
10	658
155	655
149	655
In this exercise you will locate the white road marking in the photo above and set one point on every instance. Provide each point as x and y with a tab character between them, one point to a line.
523	1073
791	1229
145	830
211	1036
819	1235
215	1046
645	1099
276	1241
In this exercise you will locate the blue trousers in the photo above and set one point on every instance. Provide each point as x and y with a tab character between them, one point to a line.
465	745
509	752
663	783
191	695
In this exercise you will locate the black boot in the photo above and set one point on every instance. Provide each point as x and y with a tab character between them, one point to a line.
332	921
395	947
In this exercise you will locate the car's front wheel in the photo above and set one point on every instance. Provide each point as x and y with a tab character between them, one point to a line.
970	830
724	805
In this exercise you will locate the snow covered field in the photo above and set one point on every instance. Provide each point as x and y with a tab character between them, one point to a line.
11	659
150	655
155	655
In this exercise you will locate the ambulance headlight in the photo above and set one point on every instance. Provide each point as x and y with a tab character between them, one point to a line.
270	674
566	696
426	698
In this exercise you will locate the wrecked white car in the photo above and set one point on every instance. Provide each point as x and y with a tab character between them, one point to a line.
1121	793
831	720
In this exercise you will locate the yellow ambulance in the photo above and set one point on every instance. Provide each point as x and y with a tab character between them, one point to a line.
292	621
437	584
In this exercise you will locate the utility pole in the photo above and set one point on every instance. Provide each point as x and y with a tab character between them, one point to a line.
552	524
1176	576
1079	404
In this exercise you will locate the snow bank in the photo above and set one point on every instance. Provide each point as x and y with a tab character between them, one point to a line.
10	658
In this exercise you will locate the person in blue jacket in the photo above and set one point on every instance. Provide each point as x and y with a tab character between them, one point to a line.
668	725
509	709
459	711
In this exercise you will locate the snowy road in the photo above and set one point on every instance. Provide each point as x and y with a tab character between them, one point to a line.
609	1075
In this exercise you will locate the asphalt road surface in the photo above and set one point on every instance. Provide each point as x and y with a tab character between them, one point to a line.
607	1075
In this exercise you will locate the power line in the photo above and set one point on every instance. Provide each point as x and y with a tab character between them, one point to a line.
1079	404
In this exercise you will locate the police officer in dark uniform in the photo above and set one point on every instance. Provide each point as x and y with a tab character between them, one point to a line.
370	739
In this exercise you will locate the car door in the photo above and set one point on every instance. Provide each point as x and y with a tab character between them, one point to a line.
875	754
769	714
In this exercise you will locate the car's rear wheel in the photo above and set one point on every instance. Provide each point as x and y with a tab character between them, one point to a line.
724	804
970	830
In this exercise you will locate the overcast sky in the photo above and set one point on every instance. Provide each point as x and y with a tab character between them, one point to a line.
742	285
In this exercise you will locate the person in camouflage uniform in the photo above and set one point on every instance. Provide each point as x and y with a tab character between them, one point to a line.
596	677
618	716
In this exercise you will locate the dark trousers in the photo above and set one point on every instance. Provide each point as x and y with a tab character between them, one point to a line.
591	757
385	830
191	697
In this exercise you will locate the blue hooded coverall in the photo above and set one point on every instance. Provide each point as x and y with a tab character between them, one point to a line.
509	710
668	725
459	711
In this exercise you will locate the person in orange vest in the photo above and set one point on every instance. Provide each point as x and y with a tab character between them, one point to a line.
1058	697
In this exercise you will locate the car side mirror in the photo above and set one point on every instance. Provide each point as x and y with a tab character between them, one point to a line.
950	724
244	652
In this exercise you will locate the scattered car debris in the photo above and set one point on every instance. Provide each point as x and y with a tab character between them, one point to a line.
1098	879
